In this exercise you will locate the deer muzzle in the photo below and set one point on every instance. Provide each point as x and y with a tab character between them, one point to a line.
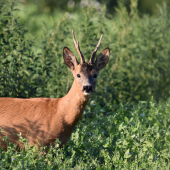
87	90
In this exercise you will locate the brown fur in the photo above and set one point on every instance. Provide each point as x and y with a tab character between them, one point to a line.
43	120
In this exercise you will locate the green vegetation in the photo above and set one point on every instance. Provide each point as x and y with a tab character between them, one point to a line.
131	135
144	6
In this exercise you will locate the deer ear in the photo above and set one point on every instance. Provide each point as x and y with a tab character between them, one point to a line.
69	58
102	59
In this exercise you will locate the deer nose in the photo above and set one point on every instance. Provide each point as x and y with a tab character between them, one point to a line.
88	89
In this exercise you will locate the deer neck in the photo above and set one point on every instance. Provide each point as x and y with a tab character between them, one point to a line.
74	104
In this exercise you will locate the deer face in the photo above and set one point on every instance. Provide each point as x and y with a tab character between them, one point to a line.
86	77
85	74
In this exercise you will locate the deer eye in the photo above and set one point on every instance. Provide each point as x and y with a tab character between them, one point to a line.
95	76
78	75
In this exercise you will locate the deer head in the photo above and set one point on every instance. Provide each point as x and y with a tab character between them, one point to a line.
85	74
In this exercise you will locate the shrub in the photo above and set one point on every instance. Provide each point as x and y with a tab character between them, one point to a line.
138	66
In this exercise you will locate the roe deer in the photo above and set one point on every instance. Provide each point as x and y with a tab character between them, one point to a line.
43	120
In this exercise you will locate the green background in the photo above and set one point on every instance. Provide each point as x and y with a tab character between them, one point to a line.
126	123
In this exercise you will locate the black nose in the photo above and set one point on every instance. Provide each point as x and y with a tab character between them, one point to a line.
87	89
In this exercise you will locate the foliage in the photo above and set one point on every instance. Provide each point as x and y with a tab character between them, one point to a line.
25	73
111	134
131	137
138	66
48	6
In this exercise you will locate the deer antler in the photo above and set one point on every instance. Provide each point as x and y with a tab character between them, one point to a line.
78	48
95	51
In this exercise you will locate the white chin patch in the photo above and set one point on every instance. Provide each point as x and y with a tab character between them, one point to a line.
87	94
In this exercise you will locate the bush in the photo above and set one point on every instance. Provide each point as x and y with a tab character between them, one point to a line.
110	135
131	137
138	66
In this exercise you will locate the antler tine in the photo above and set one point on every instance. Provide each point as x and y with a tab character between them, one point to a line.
95	51
78	48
